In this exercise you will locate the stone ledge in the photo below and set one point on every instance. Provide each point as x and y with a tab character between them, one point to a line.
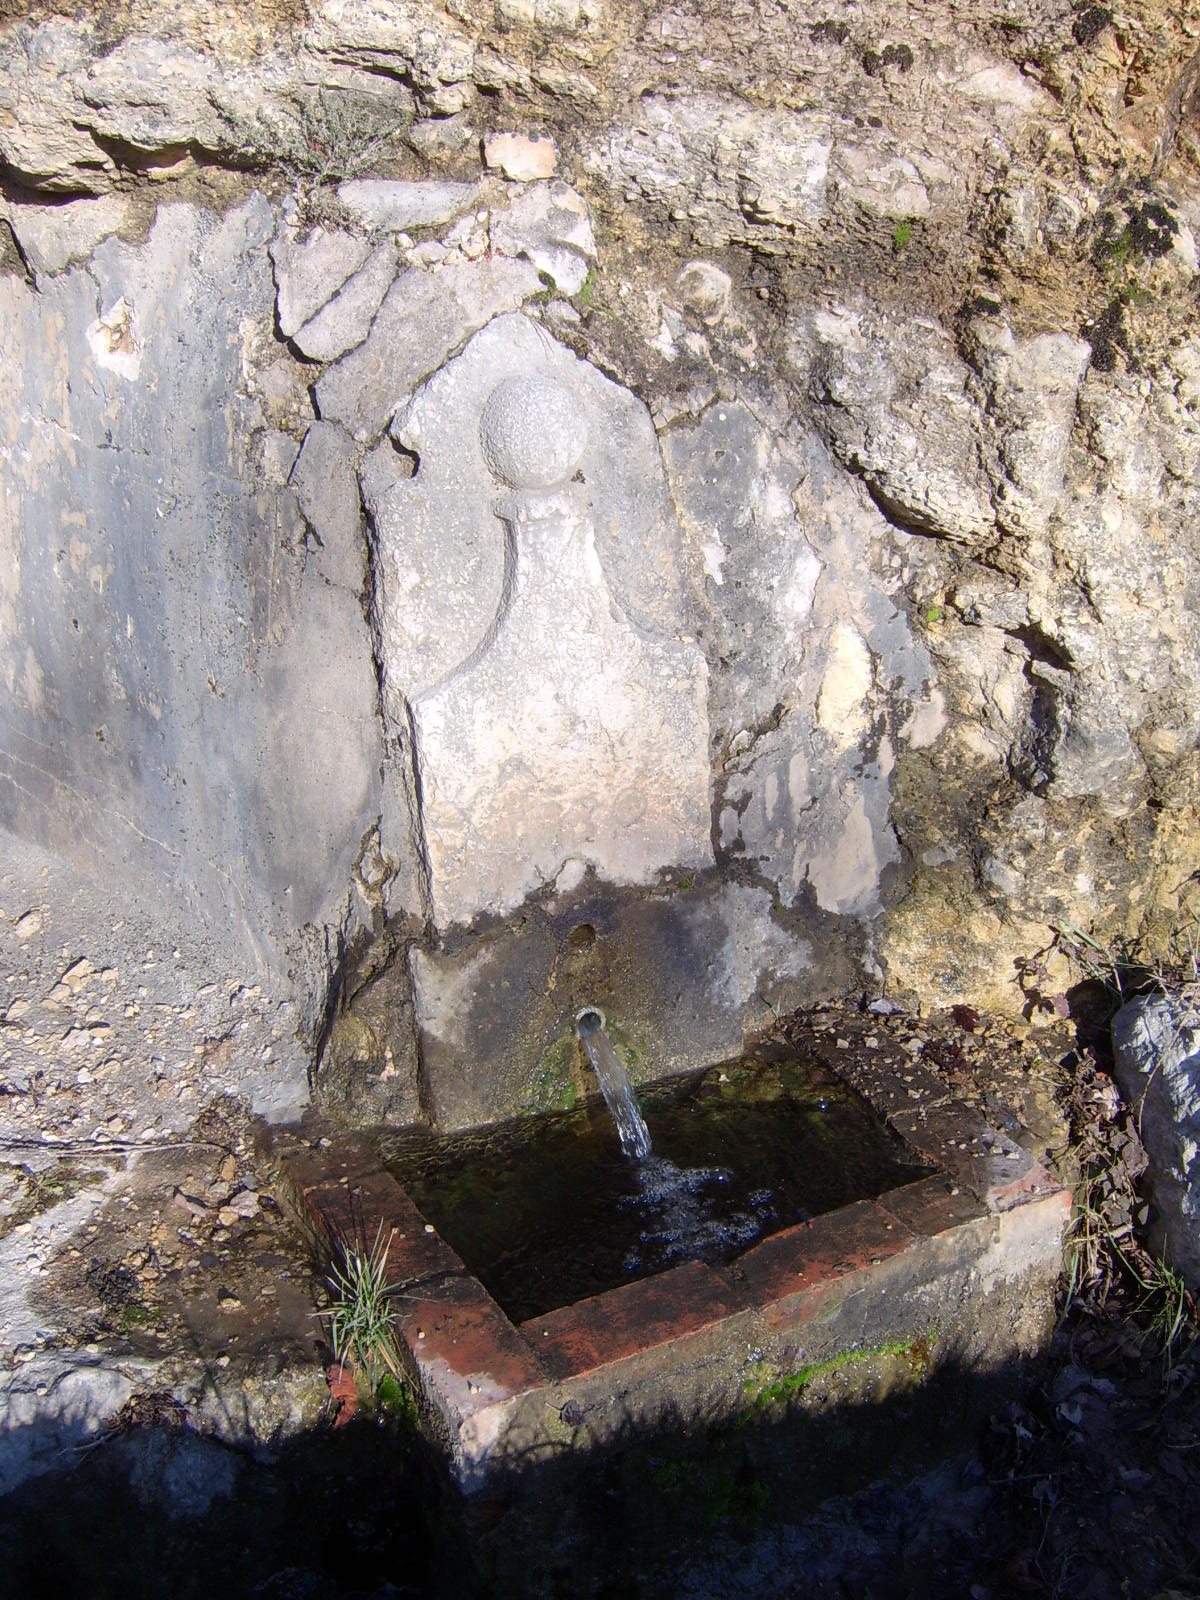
813	1256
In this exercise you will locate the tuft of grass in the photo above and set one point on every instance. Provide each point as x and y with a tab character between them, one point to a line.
587	295
361	1321
902	235
334	135
1100	1210
1166	1306
1124	968
1120	968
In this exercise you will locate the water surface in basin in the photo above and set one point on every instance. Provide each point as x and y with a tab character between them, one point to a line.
548	1210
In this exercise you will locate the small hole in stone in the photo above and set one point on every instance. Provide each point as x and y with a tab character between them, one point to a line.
582	937
408	460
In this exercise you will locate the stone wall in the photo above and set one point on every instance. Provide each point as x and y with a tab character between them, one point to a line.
819	615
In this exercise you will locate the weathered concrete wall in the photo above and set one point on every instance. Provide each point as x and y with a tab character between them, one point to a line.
884	347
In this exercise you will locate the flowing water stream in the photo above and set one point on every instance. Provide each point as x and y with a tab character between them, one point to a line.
682	1212
614	1084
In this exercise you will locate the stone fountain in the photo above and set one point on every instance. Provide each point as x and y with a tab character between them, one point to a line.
548	723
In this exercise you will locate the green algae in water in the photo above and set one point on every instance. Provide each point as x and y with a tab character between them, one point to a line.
547	1211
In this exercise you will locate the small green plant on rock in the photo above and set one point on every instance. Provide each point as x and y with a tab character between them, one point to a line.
335	136
361	1320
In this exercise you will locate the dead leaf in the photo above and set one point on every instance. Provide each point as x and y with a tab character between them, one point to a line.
343	1393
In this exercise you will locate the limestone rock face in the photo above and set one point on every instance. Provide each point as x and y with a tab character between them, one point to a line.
948	447
817	679
212	735
770	176
853	581
424	315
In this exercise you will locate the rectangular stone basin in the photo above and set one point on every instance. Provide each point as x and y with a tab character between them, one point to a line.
547	1210
955	1255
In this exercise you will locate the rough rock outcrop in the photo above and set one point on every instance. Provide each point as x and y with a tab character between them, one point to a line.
891	481
1156	1045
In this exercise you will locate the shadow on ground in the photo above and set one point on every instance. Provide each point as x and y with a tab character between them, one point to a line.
1079	1488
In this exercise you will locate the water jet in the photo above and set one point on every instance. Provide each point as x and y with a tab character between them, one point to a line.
614	1083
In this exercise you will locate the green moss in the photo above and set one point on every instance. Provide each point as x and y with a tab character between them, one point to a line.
553	1086
396	1399
735	1502
901	235
547	292
135	1315
587	295
767	1387
463	1188
43	1190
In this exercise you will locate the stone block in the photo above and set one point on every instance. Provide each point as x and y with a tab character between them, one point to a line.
424	316
54	236
680	977
548	225
811	1256
631	1320
309	272
520	157
345	320
550	728
389	204
1156	1043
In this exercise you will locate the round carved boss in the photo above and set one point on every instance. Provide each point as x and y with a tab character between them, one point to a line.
533	433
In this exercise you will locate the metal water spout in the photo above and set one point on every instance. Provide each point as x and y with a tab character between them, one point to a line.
614	1083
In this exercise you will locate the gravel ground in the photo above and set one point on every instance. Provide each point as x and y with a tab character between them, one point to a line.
140	1245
